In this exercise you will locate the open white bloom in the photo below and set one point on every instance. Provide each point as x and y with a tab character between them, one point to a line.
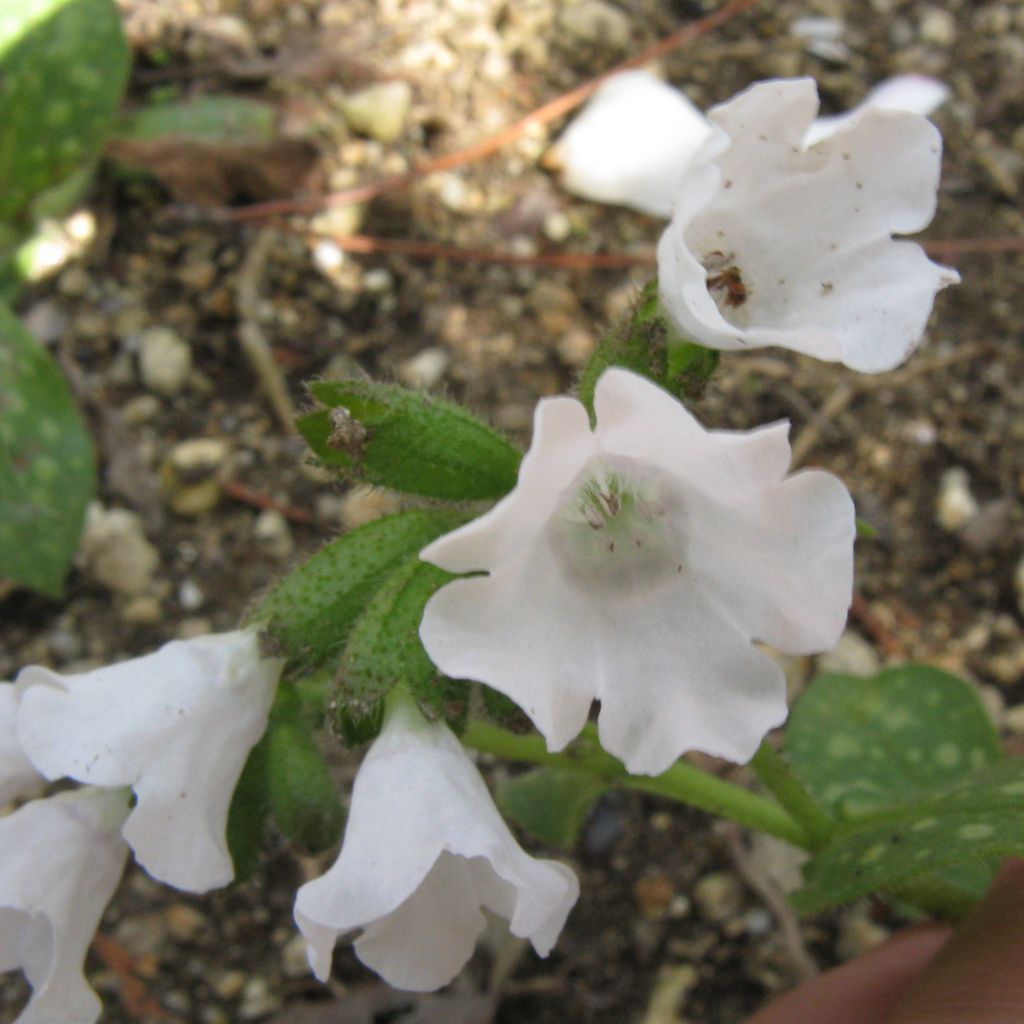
18	777
425	849
634	563
60	862
774	242
631	144
176	726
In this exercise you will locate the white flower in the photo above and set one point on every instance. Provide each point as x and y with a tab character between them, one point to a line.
18	777
774	242
631	144
176	726
425	848
634	563
60	862
912	94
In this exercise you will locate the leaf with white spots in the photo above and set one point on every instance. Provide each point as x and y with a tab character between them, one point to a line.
959	826
47	476
861	744
63	71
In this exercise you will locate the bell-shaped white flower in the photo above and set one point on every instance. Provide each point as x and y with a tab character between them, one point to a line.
18	776
774	242
60	862
176	726
634	563
631	144
425	849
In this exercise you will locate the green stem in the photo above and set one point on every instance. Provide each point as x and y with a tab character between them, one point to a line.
779	779
682	782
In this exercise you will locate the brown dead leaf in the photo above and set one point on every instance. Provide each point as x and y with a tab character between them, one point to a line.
223	173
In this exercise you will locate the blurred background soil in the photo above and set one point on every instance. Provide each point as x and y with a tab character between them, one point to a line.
206	498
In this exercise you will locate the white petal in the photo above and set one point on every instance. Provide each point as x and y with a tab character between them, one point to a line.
807	232
176	726
524	632
18	777
424	849
678	674
60	862
631	144
635	418
562	444
912	94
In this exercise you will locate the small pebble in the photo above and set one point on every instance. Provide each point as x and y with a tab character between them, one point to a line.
274	534
189	475
955	506
190	595
598	23
718	896
852	655
115	551
378	111
229	985
294	962
258	1000
858	934
184	923
165	360
426	369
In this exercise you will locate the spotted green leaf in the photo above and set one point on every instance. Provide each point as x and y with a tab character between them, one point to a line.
860	744
550	803
47	475
63	70
977	819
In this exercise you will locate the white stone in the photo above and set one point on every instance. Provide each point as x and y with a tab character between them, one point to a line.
426	369
379	111
853	655
594	21
115	551
956	505
165	360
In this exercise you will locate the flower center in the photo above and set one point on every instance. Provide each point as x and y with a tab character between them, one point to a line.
619	523
727	287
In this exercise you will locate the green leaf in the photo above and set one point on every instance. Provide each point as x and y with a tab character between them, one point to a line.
384	648
306	617
409	441
966	823
247	817
203	118
47	475
860	744
63	70
550	803
303	796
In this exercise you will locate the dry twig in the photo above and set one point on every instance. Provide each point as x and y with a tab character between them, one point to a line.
250	334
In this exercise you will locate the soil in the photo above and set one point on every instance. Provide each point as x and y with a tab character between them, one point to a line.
651	939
